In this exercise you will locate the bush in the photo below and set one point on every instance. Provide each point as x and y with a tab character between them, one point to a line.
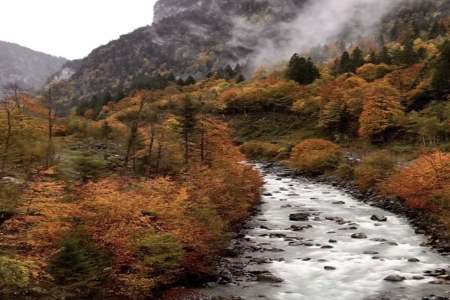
89	167
78	266
16	278
264	151
375	168
316	156
345	172
161	255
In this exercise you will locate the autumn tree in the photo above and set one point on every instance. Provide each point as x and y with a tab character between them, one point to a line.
187	118
49	96
381	107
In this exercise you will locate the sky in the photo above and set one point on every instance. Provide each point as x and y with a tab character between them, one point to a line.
71	28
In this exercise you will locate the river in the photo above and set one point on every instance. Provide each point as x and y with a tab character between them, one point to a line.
324	261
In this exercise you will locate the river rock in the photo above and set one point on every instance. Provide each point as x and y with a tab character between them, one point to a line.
433	297
261	260
418	277
378	240
326	247
269	277
257	272
370	252
225	277
360	235
274	249
413	259
277	235
332	241
329	268
267	194
438	272
378	218
299	217
395	278
338	202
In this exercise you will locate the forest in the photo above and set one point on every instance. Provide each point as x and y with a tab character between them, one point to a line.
136	191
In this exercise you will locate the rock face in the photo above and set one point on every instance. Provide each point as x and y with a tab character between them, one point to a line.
25	67
166	9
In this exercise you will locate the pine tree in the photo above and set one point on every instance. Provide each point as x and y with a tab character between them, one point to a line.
190	80
441	77
373	59
408	56
301	70
346	64
187	117
357	58
239	78
229	73
180	82
384	56
171	78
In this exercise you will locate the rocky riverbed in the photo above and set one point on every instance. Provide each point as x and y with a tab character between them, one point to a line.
318	239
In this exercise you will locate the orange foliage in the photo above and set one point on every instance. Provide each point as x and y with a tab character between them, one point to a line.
44	217
381	106
426	184
315	156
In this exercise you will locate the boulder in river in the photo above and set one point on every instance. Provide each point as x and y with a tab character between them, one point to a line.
395	278
360	235
269	277
438	272
378	218
338	202
261	260
225	276
329	268
413	259
299	217
370	252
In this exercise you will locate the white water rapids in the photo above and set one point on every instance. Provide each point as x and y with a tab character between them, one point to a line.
357	275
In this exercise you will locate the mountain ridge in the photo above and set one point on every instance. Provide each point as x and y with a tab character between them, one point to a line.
26	67
196	37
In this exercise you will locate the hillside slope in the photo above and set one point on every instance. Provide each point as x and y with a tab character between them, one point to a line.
26	67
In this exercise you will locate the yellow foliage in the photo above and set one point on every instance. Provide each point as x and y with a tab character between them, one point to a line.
315	156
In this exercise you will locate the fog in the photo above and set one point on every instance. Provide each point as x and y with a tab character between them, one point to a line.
319	22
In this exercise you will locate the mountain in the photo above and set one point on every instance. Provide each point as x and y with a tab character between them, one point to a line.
196	37
25	67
